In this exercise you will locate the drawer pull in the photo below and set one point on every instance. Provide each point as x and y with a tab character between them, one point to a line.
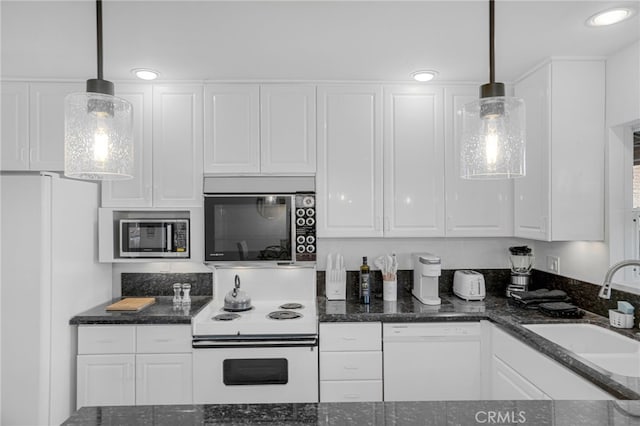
351	368
352	396
349	338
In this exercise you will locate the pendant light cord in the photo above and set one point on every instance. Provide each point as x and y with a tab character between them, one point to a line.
99	33
492	60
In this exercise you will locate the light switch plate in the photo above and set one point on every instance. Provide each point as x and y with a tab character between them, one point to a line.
553	264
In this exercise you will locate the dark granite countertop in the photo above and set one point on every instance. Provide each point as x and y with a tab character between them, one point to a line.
161	312
499	310
538	413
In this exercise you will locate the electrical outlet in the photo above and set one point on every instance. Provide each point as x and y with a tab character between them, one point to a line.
553	264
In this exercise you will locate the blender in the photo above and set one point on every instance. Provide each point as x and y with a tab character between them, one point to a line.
521	260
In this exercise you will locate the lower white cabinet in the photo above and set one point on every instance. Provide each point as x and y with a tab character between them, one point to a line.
134	365
350	362
521	372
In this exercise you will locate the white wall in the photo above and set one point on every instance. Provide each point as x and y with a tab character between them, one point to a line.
456	253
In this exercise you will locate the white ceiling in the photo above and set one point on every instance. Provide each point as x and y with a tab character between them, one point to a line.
300	40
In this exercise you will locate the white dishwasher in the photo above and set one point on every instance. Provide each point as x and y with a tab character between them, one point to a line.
432	361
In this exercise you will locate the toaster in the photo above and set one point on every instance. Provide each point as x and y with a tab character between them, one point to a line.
469	285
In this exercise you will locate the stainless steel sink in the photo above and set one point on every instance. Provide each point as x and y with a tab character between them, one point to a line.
607	349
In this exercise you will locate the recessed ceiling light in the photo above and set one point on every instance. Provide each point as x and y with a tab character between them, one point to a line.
145	73
424	75
610	16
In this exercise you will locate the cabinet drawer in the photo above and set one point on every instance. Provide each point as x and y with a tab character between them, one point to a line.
163	338
344	391
351	365
351	336
106	339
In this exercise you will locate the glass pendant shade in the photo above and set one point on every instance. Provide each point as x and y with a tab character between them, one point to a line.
493	138
98	137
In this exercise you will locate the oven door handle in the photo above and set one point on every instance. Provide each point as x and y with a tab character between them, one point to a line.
252	343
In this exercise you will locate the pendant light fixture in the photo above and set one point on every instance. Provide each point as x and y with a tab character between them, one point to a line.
98	128
493	128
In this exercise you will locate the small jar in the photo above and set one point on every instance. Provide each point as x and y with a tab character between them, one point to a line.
186	298
177	299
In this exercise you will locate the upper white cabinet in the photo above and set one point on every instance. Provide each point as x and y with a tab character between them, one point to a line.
349	175
252	129
168	148
561	198
135	192
33	125
232	128
413	162
15	126
177	145
474	208
373	185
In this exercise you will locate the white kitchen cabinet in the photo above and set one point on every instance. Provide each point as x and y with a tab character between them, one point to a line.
414	167
431	361
129	365
106	380
164	379
474	208
15	126
350	362
507	384
287	129
177	146
135	192
561	198
349	191
232	128
34	116
254	129
521	372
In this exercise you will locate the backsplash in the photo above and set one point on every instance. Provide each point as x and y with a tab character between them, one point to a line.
582	294
140	284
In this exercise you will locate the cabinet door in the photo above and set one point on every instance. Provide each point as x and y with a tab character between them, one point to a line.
46	123
232	128
507	384
532	204
475	208
164	379
413	162
349	175
287	129
177	145
105	380
135	192
15	126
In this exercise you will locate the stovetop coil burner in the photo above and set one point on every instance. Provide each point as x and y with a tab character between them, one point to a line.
291	306
226	317
284	315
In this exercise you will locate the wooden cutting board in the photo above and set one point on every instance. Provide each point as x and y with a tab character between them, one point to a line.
132	304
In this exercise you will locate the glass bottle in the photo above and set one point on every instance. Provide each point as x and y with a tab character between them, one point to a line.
365	288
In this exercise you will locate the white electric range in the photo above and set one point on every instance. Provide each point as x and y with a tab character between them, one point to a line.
268	353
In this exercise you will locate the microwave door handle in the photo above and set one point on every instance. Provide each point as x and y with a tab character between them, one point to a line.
169	233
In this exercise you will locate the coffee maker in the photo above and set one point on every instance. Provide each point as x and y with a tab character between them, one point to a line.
521	259
426	273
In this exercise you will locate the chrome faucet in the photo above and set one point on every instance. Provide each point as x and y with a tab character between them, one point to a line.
605	291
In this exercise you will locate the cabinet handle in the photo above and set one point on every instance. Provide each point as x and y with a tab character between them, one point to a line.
349	338
352	396
377	223
346	367
30	155
385	221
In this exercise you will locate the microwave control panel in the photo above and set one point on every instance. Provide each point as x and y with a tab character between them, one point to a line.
305	225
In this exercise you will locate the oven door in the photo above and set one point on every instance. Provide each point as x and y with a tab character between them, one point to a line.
248	227
255	375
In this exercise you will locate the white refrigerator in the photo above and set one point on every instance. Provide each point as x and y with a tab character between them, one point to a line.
50	272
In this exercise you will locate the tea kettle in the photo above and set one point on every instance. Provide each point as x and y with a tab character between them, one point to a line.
237	300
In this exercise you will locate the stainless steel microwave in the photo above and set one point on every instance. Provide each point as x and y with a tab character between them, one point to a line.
260	227
154	238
